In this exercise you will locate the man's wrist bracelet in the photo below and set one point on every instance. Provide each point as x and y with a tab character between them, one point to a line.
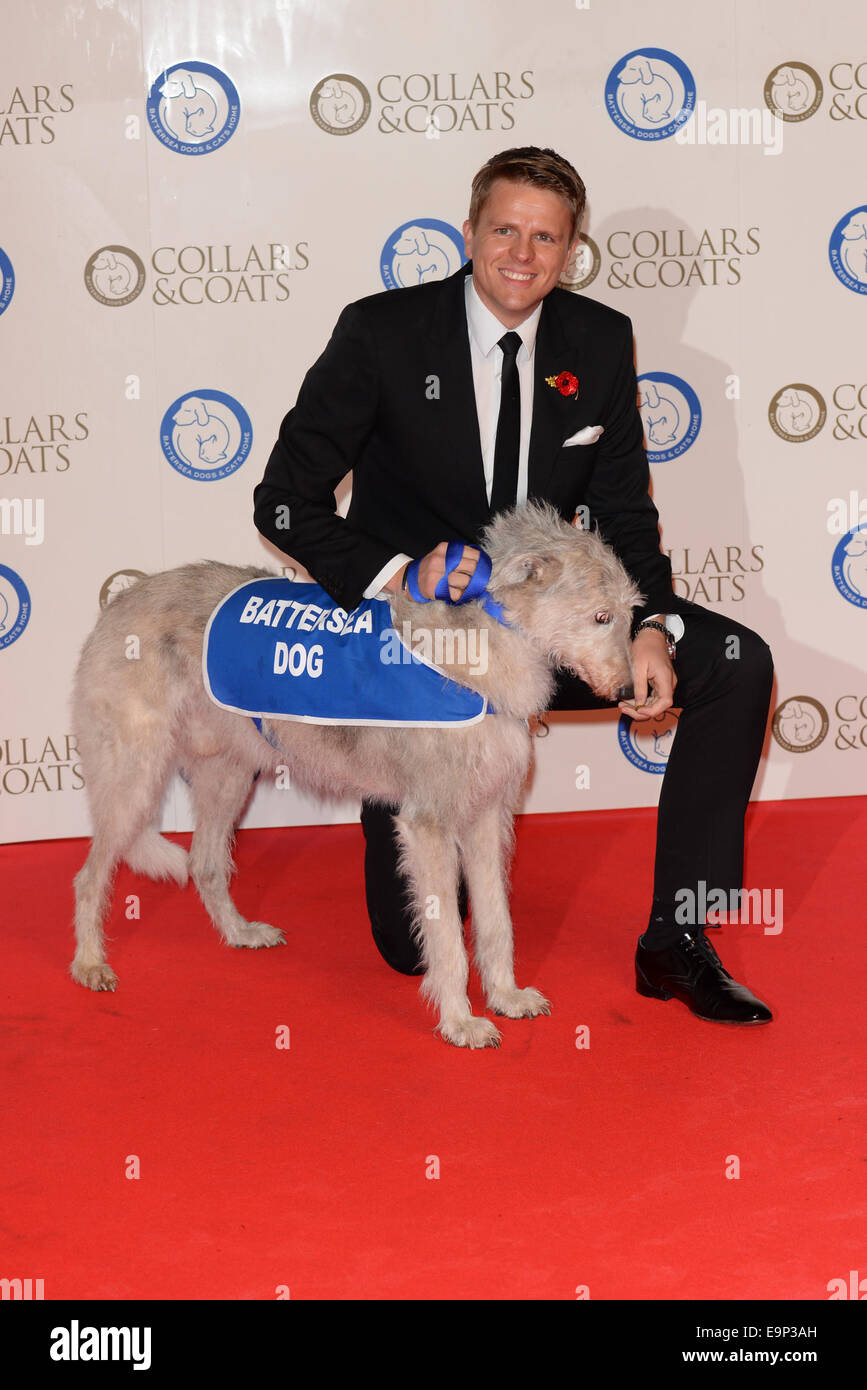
667	634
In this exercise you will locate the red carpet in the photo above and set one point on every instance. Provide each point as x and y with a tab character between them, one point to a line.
307	1167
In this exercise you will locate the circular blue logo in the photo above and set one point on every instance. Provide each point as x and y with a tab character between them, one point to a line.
206	435
847	250
193	108
421	251
7	280
15	606
650	94
671	413
646	743
849	566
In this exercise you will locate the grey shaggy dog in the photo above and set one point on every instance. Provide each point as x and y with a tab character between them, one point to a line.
568	602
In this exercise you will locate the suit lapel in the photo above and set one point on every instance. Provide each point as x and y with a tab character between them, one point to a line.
554	415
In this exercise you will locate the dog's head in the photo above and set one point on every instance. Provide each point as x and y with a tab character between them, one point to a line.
638	69
193	411
179	83
856	548
567	590
412	239
855	228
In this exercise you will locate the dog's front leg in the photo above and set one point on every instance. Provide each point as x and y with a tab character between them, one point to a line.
484	845
429	859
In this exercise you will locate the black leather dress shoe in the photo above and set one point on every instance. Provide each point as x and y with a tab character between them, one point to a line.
692	972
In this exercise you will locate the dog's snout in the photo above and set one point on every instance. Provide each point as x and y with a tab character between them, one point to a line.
626	692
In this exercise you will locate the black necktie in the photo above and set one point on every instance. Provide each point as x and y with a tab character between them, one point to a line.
504	490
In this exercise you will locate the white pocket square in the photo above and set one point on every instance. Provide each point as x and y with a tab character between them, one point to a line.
588	435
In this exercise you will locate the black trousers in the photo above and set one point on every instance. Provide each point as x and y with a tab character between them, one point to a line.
724	679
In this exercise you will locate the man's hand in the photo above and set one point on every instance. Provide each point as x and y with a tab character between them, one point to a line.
651	667
432	568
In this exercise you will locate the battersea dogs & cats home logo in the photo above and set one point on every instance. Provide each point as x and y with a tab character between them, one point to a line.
15	606
420	251
7	281
650	94
582	266
114	275
206	435
849	566
798	411
794	91
800	724
647	743
847	250
671	414
193	108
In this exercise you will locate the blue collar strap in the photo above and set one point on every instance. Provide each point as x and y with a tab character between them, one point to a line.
476	589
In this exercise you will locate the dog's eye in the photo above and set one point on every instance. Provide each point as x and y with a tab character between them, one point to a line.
603	617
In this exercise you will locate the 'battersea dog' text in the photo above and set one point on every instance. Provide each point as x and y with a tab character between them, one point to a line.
437	646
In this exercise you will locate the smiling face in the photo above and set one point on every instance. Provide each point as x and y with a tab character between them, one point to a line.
519	248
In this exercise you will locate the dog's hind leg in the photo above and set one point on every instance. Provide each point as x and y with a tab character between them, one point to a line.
484	847
124	785
220	788
92	887
429	858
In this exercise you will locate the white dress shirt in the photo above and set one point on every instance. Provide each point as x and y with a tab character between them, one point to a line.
487	359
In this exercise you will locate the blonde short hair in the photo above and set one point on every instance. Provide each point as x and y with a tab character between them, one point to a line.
529	164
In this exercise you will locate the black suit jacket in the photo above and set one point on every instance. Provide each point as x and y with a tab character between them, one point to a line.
392	399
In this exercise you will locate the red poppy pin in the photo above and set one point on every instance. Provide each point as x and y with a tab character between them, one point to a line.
565	382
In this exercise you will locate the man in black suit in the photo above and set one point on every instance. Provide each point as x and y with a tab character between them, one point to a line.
454	399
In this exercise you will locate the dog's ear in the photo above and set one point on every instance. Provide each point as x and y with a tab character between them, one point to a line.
532	566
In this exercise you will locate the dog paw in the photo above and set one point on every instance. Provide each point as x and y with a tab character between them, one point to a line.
519	1003
256	934
94	976
471	1032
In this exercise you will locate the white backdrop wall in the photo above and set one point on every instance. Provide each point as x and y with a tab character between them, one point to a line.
191	192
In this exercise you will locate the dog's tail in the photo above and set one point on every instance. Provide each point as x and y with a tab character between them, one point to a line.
157	857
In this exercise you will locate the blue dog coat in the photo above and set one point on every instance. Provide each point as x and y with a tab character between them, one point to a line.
275	649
